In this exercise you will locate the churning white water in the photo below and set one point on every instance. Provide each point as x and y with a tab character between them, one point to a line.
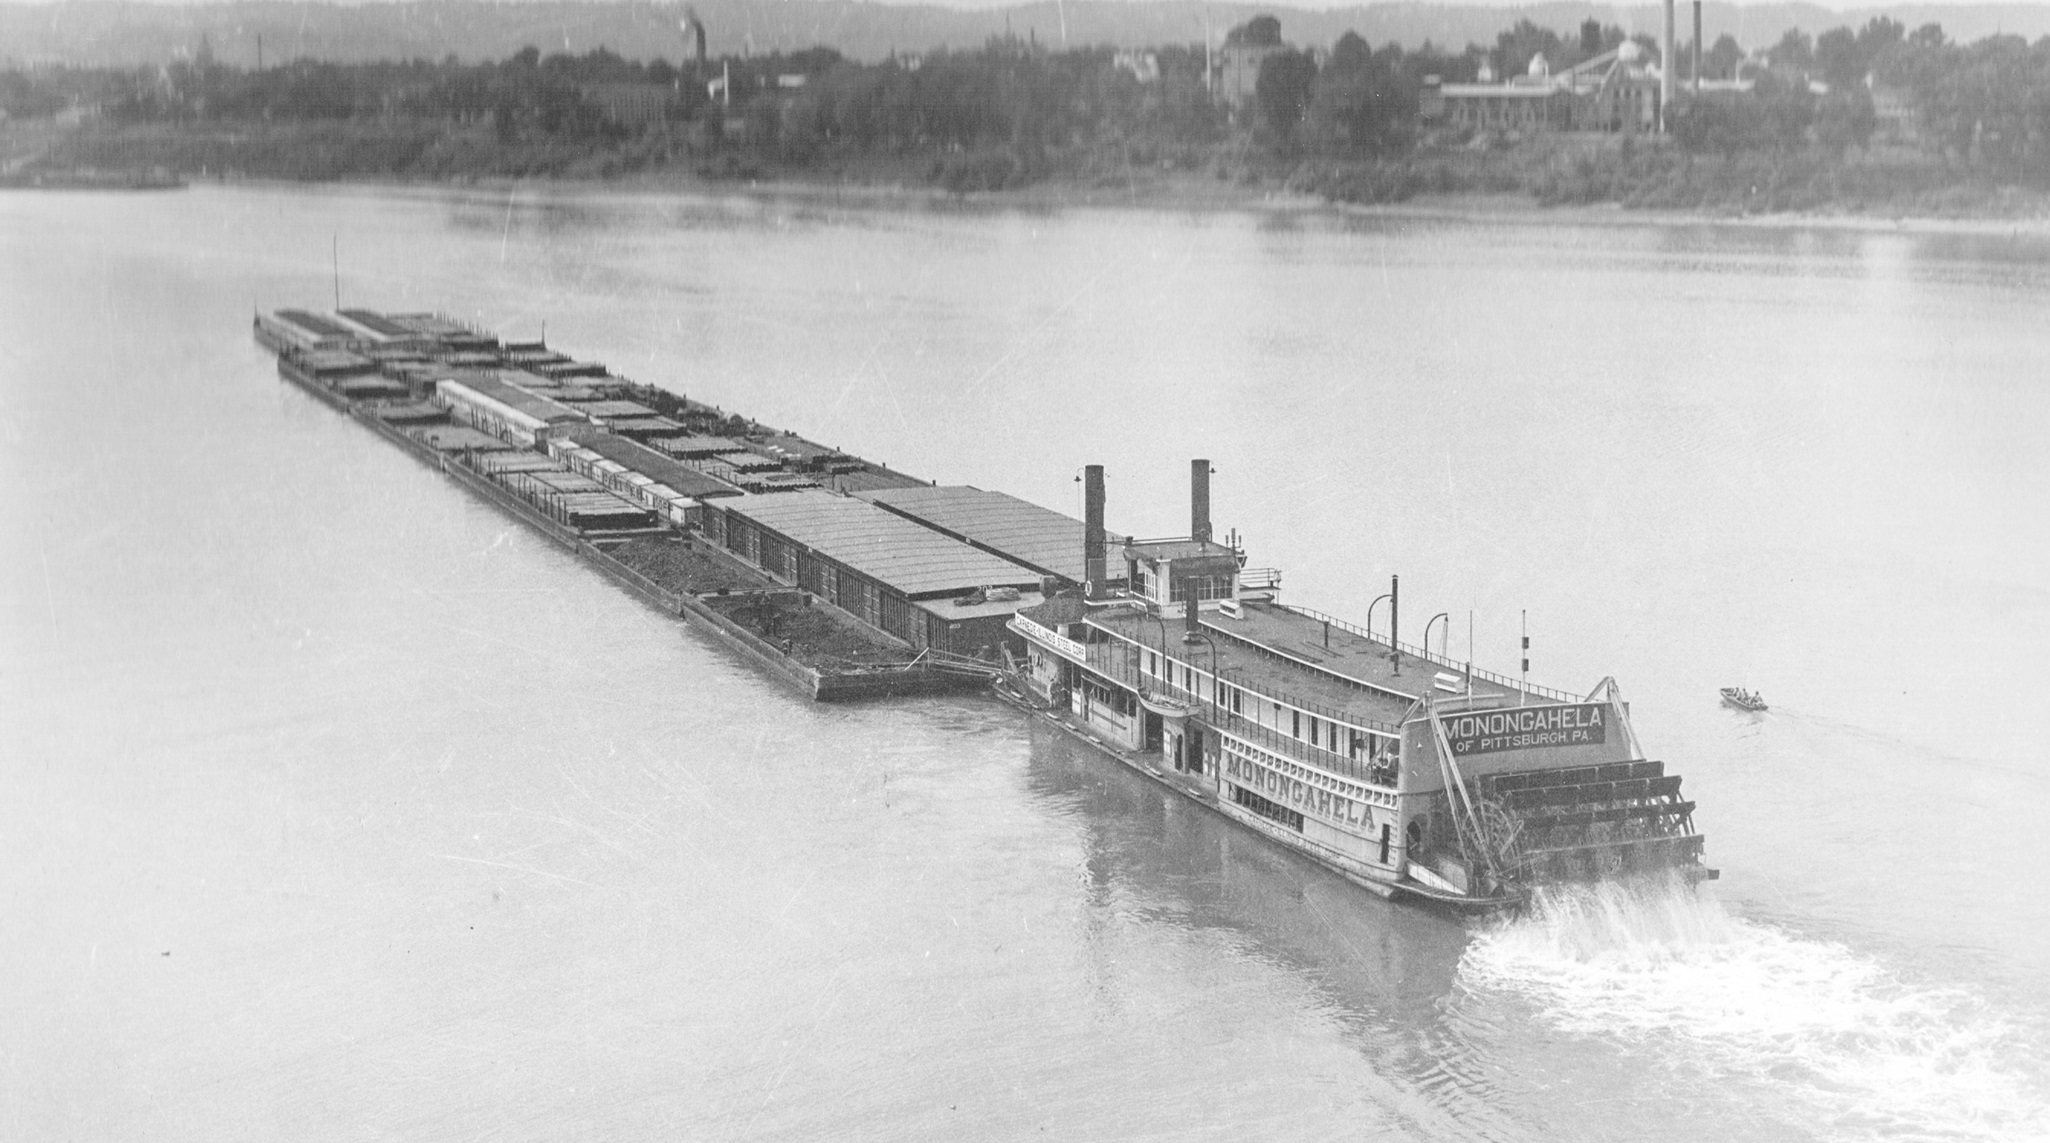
1865	1052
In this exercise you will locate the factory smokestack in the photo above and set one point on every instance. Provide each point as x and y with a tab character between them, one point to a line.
1092	530
1199	501
1666	71
696	27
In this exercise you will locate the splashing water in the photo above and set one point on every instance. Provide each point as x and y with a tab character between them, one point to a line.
1858	1050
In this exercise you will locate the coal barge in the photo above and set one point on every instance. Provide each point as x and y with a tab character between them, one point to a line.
1409	774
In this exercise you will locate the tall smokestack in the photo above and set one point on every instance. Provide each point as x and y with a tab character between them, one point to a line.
696	28
1666	70
1199	500
1697	49
1395	622
1092	529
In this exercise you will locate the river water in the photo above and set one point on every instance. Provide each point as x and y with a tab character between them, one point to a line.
340	806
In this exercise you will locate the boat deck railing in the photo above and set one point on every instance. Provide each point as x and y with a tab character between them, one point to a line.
1436	660
1119	666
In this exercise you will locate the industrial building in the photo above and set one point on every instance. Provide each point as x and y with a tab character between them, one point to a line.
1613	92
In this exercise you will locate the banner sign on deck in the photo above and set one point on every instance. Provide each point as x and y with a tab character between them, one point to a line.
1528	728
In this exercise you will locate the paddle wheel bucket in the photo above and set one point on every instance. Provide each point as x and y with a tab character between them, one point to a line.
1590	823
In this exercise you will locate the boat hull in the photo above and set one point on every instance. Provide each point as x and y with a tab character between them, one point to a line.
1376	881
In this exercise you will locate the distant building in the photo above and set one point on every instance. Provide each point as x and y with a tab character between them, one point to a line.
1893	109
1235	67
632	104
1142	66
1236	71
1613	92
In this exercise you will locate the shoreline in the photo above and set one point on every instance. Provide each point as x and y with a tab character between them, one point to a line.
1183	194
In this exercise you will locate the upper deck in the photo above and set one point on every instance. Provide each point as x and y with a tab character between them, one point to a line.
1332	646
1305	661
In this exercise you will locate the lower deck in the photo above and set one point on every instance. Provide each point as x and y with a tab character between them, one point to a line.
1395	878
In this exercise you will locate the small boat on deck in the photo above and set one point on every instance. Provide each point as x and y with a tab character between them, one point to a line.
1742	699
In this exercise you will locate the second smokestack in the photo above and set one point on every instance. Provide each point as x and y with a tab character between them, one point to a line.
1199	500
1092	530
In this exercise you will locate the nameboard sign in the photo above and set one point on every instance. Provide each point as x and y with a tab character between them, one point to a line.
1528	728
1047	636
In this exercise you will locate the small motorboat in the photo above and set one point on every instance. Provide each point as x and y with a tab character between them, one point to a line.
1742	699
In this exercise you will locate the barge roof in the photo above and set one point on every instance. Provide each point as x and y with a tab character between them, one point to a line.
605	407
888	548
321	362
1039	538
377	323
502	390
871	478
795	449
650	426
457	438
696	446
955	610
652	464
409	412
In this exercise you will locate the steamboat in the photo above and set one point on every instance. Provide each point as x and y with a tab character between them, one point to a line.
1408	773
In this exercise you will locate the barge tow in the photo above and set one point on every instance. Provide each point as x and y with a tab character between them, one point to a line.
1409	774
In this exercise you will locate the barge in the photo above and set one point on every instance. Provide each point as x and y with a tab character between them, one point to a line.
1411	775
581	455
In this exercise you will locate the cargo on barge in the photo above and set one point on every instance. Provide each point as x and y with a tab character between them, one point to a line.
585	457
1407	773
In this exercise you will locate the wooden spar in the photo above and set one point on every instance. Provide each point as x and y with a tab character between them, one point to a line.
1614	697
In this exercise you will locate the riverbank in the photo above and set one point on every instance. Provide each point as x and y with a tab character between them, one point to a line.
1577	179
1190	194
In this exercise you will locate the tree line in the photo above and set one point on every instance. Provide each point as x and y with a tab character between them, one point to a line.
1002	112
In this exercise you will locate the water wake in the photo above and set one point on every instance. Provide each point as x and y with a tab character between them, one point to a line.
1831	1034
